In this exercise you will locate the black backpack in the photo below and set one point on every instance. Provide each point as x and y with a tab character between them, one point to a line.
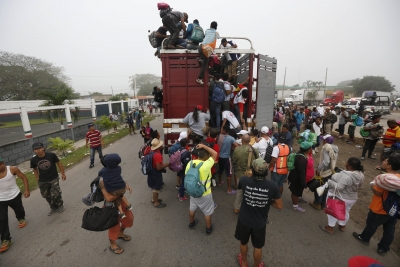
333	118
97	195
268	153
392	205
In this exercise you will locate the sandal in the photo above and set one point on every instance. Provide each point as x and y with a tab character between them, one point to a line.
159	200
117	250
239	260
161	205
125	237
342	228
261	264
21	223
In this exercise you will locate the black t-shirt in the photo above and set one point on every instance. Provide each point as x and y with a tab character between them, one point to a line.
162	31
257	197
46	166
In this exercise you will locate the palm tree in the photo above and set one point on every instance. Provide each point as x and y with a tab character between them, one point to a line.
58	96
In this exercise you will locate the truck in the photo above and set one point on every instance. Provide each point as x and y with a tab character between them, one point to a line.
367	94
180	69
300	97
379	100
334	99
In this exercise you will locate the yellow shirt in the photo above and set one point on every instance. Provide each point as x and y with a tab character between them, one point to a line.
205	172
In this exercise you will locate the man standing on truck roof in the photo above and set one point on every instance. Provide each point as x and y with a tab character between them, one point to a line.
170	21
206	48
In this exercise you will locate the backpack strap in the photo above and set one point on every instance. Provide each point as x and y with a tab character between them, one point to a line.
249	157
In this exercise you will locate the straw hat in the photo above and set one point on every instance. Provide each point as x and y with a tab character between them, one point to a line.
155	144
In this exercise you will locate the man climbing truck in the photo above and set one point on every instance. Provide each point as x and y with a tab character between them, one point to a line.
180	68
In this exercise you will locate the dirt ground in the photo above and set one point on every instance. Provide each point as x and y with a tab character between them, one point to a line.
359	211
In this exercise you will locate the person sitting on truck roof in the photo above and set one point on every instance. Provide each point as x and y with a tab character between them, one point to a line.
206	48
170	22
230	68
196	121
189	32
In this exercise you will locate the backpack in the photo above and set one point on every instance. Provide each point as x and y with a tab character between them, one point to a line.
312	137
193	185
364	133
144	150
175	163
100	219
218	94
172	149
392	204
359	121
268	153
197	34
333	118
164	9
290	160
147	164
280	117
96	194
153	39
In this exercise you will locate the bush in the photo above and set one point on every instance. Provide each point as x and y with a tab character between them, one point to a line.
105	122
61	145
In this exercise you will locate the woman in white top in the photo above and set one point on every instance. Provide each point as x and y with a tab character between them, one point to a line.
10	196
317	127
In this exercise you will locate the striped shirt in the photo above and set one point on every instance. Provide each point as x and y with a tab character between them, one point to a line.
391	133
94	138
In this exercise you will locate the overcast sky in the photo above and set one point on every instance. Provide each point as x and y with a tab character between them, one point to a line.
100	43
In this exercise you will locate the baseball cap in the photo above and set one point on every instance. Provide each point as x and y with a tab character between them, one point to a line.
282	137
265	129
321	104
199	107
37	145
182	135
306	145
242	132
353	109
90	125
260	165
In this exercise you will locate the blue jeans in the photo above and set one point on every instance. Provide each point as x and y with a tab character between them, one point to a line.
181	175
298	127
215	112
321	199
373	222
92	152
138	124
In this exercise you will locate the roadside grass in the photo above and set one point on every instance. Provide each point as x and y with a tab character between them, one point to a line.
10	124
80	154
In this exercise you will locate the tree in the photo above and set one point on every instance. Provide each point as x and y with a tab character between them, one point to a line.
61	145
95	93
312	95
59	96
115	98
145	83
23	77
345	83
296	85
372	83
105	122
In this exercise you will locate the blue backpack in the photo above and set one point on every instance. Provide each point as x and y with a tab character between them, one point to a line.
173	148
392	204
147	163
359	121
193	185
218	95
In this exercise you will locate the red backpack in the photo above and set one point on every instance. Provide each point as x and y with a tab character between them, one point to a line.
164	9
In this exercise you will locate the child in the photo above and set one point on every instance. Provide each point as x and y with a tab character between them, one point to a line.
113	181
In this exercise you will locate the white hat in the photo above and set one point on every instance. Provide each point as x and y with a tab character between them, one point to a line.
353	109
182	135
243	132
321	104
264	130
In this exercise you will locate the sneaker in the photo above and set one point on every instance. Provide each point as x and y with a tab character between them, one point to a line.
182	198
358	237
209	230
199	81
129	207
382	252
21	223
299	209
302	200
5	245
51	211
372	157
177	187
91	166
193	224
61	208
362	158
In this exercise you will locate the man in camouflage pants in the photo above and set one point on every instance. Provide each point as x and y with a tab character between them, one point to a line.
45	170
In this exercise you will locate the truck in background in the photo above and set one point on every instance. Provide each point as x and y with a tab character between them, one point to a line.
334	99
180	69
299	97
367	94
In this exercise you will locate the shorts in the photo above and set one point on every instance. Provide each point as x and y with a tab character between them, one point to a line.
205	203
278	178
118	193
243	234
225	164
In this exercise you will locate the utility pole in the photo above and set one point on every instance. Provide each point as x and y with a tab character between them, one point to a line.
112	91
134	90
284	80
326	76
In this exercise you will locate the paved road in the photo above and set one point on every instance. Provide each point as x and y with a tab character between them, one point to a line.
9	135
160	237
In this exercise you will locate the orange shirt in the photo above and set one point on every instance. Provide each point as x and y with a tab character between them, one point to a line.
391	133
376	205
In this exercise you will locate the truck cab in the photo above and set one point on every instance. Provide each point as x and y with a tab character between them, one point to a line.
334	99
181	92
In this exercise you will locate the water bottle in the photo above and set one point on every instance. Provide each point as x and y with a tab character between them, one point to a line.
94	189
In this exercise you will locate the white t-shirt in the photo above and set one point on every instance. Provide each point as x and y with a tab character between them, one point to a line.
317	128
229	116
275	153
227	87
239	98
321	111
262	146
